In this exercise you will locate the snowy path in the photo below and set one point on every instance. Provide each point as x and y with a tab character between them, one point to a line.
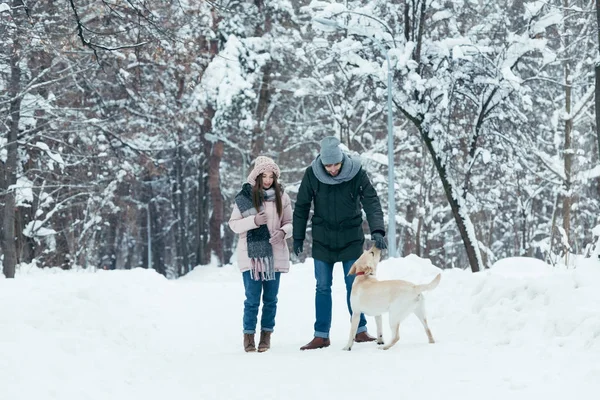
135	335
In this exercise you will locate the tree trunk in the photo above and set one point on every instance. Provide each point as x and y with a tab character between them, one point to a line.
553	229
158	241
204	192
264	99
179	201
203	236
144	223
409	236
202	249
597	70
180	197
216	218
418	245
264	94
9	173
459	213
568	151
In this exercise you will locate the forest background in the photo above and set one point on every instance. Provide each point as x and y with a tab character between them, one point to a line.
127	126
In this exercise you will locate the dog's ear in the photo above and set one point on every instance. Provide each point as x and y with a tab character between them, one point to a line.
352	270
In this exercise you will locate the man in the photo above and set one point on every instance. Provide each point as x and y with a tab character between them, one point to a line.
339	188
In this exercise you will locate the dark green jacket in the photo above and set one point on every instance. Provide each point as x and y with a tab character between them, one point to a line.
337	221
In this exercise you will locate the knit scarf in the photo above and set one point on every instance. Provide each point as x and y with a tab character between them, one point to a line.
260	250
350	167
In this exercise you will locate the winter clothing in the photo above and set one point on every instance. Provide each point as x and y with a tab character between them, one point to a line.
265	341
337	221
260	250
260	218
277	237
316	343
337	230
244	225
379	241
351	166
249	345
263	164
364	337
323	302
253	290
319	343
330	150
298	246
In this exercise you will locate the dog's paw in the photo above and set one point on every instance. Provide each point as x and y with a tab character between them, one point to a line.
380	342
347	348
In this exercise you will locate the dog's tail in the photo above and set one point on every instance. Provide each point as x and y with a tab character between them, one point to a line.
431	285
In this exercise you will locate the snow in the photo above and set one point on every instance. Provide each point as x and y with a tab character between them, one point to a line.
224	77
441	15
521	267
23	192
54	157
521	330
4	7
35	229
3	152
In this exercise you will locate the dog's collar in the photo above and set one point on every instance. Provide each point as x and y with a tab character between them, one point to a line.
360	273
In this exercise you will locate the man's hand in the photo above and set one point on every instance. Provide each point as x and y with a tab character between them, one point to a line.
277	237
260	218
379	240
298	246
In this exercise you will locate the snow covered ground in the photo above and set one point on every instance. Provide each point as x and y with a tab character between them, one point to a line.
521	330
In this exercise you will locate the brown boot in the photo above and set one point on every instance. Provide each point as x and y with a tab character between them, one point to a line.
363	337
249	345
265	341
316	343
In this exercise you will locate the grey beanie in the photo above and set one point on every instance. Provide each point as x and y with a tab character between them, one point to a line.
330	150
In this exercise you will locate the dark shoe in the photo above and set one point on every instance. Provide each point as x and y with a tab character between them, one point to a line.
265	341
249	345
363	337
316	343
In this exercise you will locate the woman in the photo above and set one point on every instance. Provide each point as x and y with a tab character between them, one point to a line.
262	216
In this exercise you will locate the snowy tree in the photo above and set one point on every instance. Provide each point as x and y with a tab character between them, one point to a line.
454	74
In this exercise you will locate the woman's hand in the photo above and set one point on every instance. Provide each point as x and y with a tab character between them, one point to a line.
277	237
260	218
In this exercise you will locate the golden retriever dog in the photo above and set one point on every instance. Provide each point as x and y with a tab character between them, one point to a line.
373	297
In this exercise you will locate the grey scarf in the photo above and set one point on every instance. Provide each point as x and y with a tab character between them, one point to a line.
350	167
260	250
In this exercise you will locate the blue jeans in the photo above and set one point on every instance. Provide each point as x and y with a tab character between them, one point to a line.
251	304
323	306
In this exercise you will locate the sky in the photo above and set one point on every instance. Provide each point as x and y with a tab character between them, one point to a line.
520	330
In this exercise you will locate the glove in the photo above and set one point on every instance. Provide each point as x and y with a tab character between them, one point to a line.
298	246
260	218
277	237
379	240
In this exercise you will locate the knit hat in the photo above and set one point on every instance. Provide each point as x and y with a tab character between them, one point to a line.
263	164
330	150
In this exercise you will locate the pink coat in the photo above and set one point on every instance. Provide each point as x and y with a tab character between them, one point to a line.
241	225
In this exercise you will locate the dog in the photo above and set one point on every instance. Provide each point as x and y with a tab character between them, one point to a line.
373	297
